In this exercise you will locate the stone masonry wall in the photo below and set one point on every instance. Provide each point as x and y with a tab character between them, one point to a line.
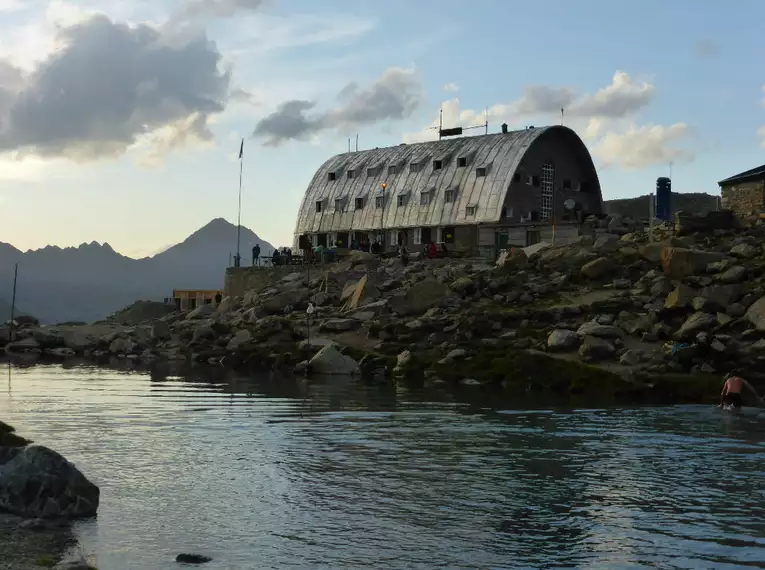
744	199
242	279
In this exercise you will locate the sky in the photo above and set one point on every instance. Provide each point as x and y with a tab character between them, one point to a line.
121	120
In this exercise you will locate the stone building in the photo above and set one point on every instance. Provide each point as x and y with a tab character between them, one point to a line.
744	193
475	194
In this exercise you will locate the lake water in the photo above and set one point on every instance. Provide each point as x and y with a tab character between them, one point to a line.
271	474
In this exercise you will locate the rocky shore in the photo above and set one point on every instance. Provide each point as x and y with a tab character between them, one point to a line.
40	494
622	314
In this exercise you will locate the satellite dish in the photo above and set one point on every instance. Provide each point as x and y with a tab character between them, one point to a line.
569	204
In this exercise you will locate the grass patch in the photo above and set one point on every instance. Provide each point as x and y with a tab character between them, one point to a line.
46	562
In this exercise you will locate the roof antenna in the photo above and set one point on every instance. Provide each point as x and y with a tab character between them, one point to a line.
349	144
440	121
486	120
561	115
357	142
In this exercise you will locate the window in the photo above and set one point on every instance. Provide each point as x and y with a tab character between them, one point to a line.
393	169
528	180
393	237
331	176
318	206
350	174
584	187
438	164
470	211
371	172
535	181
517	177
400	200
414	167
462	162
378	202
331	240
480	171
449	195
359	203
566	184
503	214
417	237
339	204
425	197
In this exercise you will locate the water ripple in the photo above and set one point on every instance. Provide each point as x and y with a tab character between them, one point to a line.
277	473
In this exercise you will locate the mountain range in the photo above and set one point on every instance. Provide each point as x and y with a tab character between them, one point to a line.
90	282
637	208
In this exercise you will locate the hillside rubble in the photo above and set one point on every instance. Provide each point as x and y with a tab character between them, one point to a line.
615	312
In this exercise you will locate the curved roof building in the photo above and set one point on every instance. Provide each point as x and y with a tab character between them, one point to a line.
474	191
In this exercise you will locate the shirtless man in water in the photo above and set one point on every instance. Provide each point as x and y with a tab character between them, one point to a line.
731	392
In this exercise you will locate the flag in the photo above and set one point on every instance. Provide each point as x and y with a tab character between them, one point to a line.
241	150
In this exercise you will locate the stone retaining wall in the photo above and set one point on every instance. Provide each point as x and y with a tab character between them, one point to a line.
242	279
745	200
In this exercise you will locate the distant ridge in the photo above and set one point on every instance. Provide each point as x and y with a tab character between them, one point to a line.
92	281
696	203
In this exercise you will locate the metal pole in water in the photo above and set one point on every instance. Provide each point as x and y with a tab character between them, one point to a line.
13	302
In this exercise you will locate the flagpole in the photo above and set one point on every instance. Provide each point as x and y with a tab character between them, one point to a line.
239	214
13	302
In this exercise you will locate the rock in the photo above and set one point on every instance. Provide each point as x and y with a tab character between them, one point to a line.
756	314
23	345
241	337
37	482
598	268
419	298
62	352
192	559
122	346
630	358
722	295
469	382
48	338
331	361
8	437
736	310
463	285
598	330
514	258
594	348
202	333
340	325
201	312
723	319
679	263
733	275
403	359
74	565
276	304
697	322
455	354
744	251
160	331
562	339
680	298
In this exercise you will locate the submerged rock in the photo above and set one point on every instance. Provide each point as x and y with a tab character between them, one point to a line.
331	361
192	559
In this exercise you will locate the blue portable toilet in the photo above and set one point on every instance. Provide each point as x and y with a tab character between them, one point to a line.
664	199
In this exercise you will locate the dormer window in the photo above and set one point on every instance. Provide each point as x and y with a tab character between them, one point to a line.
359	203
331	176
438	164
449	196
401	200
372	172
480	171
393	169
462	162
351	174
339	204
414	167
379	202
318	206
425	197
470	211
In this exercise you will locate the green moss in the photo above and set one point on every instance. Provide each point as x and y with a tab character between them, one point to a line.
46	562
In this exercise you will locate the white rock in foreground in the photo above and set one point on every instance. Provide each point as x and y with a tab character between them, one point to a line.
331	361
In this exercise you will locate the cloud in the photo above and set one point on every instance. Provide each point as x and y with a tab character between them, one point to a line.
395	95
643	146
619	99
706	48
453	87
108	85
202	11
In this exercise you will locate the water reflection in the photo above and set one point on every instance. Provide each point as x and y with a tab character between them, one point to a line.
278	472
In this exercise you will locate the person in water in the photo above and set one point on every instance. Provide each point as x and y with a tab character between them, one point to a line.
731	392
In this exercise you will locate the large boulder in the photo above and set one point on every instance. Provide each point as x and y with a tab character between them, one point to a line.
37	482
745	251
696	323
680	263
594	348
201	312
331	361
419	298
242	337
276	304
756	314
681	297
160	331
562	339
598	268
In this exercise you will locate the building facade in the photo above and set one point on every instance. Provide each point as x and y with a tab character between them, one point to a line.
744	193
475	194
189	299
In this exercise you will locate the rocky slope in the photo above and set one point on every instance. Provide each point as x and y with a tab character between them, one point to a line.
614	316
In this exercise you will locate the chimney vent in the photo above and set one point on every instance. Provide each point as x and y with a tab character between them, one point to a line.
504	128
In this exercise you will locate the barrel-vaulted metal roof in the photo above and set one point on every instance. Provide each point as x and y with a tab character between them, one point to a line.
408	171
